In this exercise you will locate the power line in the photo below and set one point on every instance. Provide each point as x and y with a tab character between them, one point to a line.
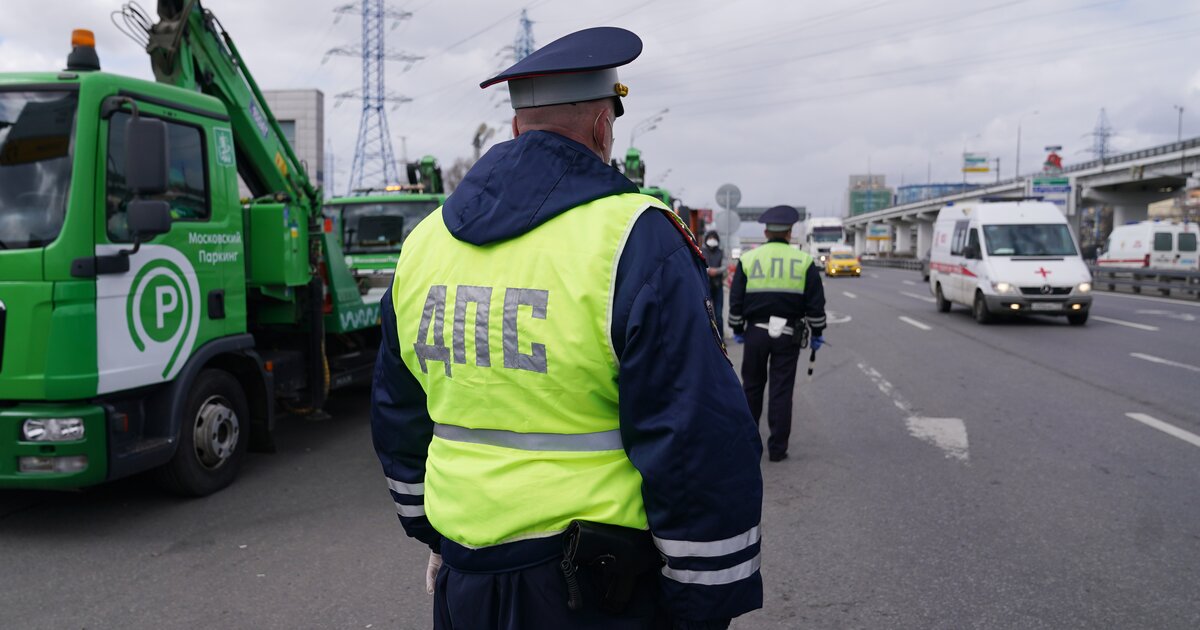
960	61
686	109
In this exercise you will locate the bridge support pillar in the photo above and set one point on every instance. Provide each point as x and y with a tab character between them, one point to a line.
1127	206
924	237
903	241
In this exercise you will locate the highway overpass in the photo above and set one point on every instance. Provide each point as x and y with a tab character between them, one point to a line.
1123	185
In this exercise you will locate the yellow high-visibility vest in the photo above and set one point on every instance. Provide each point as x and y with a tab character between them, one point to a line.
776	267
511	343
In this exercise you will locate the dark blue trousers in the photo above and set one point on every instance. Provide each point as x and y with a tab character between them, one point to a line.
764	357
533	598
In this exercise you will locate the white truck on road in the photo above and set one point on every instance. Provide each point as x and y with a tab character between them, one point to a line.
820	234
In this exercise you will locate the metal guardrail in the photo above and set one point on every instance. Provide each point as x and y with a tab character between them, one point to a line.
1139	278
1135	155
893	263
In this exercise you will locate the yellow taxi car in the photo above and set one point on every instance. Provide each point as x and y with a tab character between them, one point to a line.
842	263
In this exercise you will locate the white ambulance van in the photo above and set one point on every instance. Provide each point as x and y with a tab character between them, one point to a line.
1008	257
1154	245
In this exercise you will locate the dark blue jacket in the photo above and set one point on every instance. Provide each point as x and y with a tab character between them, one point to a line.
684	420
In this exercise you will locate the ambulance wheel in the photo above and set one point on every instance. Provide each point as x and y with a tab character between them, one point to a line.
212	437
1077	319
943	305
980	310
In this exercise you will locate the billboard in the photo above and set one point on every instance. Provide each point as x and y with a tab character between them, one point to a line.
879	232
1056	190
976	163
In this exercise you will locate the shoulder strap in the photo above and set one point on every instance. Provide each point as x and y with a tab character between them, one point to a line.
685	233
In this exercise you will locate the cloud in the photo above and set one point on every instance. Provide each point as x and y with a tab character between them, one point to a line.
784	99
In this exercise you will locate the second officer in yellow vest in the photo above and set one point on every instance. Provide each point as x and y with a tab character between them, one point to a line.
776	292
552	391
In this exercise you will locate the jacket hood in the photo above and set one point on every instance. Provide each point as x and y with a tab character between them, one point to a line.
520	184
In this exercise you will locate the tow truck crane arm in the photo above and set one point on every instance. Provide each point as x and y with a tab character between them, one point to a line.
189	48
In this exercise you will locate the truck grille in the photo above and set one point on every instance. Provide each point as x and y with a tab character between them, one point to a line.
1041	291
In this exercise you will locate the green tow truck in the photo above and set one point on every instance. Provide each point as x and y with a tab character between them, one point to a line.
635	170
373	225
149	319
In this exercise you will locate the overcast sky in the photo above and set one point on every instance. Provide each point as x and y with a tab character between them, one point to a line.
784	99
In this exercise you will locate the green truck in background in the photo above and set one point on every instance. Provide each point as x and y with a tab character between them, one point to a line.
373	226
149	320
635	169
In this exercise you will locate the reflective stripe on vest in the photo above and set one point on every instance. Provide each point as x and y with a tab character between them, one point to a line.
776	267
511	343
578	442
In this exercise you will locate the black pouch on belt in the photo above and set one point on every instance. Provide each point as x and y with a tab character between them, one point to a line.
800	336
613	557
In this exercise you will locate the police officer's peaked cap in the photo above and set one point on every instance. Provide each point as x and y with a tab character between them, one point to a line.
779	218
578	67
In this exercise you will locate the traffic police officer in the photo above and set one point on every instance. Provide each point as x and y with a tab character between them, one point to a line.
549	358
776	291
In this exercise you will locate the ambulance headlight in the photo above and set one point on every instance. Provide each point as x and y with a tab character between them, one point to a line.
52	429
1004	288
1084	287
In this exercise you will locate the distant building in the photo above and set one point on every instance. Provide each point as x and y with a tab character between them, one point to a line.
301	117
750	233
921	192
868	193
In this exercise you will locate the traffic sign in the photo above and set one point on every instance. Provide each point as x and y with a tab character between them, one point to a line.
729	196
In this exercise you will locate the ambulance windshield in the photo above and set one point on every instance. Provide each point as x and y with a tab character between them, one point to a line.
1049	239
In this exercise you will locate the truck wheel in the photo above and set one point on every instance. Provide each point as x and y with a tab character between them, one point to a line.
1077	319
943	305
980	310
212	437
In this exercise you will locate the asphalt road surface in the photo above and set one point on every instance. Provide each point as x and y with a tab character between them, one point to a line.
943	474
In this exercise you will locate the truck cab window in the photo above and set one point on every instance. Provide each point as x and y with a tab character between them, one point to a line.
187	181
36	130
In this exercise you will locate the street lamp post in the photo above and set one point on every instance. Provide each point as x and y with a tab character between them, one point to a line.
1017	166
1179	125
647	125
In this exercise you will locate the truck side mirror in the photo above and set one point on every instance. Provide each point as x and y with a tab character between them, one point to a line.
146	156
970	252
148	218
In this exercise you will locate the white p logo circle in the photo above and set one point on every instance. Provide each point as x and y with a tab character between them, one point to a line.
166	300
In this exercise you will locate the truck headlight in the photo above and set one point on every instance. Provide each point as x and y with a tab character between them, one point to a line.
1004	288
52	429
1084	287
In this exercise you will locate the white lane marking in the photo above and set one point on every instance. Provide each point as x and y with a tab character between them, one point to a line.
1149	298
834	317
910	283
948	434
1121	322
924	298
1183	317
849	295
1160	360
1169	429
912	322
